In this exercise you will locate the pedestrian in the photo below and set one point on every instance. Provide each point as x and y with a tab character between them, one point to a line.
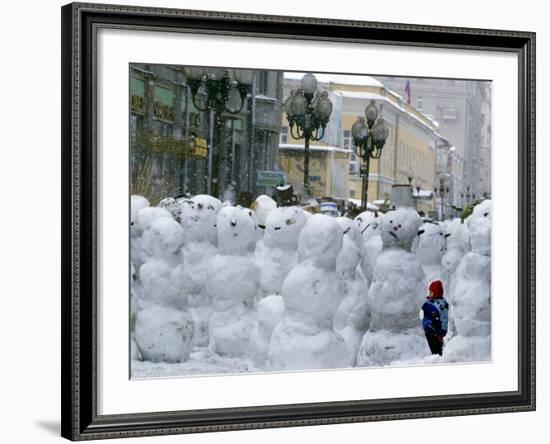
436	317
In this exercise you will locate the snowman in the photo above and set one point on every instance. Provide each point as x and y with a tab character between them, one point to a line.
143	218
261	207
232	284
277	253
312	292
351	318
458	244
395	296
137	203
163	324
470	299
431	246
369	226
171	205
199	216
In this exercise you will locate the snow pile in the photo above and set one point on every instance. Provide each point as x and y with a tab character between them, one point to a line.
312	292
395	296
471	296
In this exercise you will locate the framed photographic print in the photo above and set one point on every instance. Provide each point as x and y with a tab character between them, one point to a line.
264	228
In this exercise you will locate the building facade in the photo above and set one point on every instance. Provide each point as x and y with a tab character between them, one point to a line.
407	157
227	149
462	110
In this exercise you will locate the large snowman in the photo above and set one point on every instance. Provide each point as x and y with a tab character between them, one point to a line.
232	284
198	217
312	292
277	253
141	221
369	226
431	246
395	296
351	319
458	244
471	296
163	324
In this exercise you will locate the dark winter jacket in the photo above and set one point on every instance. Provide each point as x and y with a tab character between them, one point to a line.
436	316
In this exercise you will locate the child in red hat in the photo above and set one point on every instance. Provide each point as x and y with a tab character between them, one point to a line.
436	317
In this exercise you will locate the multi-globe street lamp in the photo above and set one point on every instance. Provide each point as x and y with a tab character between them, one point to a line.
217	90
308	111
369	137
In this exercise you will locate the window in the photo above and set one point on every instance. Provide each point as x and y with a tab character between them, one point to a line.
420	103
347	140
449	113
283	136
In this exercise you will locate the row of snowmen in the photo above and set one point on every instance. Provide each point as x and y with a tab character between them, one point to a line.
283	289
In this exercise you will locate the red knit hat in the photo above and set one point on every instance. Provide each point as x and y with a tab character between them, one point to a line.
436	287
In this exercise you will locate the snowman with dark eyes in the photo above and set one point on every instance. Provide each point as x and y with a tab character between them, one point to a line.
198	218
369	226
277	253
232	284
397	291
470	300
430	247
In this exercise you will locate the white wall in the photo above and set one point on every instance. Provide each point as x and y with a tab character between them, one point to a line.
30	232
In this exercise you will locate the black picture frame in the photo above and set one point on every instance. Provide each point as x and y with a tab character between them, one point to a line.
79	208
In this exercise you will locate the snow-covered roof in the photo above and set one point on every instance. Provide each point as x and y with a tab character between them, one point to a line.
293	146
375	96
345	79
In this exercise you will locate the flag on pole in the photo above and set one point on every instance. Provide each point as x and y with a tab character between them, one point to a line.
408	91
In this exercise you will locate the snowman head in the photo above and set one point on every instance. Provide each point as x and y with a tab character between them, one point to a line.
321	240
432	243
236	230
283	227
479	226
173	207
162	237
399	227
145	216
369	224
262	206
352	247
458	235
137	203
199	218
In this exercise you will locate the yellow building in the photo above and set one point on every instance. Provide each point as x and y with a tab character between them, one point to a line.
328	169
408	155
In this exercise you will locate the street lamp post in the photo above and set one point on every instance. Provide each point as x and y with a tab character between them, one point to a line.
308	111
369	137
217	90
